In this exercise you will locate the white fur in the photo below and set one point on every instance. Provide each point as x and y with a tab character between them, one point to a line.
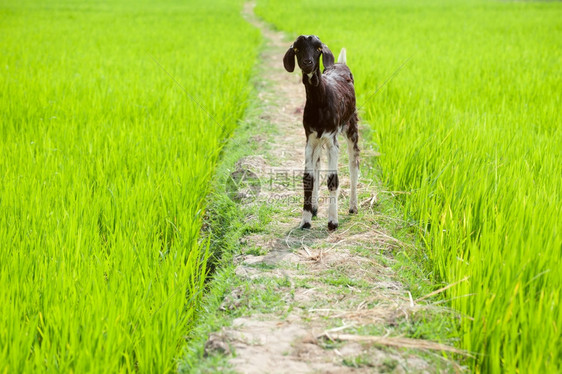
306	218
316	156
313	152
312	143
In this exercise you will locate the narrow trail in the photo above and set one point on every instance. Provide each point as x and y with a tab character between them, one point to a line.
342	308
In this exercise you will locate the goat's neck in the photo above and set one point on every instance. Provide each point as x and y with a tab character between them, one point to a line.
315	94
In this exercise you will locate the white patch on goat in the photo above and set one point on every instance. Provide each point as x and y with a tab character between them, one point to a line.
313	152
306	218
316	156
311	145
327	136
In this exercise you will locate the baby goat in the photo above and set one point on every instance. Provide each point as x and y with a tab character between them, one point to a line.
329	110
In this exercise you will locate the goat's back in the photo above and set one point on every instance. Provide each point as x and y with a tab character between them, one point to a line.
340	94
340	74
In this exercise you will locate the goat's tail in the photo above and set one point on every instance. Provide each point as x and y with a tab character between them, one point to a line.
342	59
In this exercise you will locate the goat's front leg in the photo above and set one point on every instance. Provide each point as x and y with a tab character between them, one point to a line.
308	183
316	156
333	182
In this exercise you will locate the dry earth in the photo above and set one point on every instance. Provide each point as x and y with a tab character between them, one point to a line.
342	300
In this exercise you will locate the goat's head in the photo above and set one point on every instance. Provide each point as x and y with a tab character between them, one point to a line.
307	49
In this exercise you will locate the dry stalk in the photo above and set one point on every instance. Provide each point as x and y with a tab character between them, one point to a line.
442	289
411	299
397	342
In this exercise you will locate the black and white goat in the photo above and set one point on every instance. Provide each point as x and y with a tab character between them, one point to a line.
329	110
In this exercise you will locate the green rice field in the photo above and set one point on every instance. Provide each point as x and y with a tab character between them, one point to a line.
113	115
471	130
104	169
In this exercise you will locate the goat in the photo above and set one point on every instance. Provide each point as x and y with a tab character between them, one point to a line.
329	110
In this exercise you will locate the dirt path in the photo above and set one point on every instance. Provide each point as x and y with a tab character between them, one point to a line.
336	304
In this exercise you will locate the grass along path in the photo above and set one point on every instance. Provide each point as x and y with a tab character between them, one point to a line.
309	300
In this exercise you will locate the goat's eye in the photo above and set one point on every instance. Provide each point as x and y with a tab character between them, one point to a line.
320	49
296	50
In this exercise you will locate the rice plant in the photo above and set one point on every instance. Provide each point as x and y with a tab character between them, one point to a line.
470	129
112	117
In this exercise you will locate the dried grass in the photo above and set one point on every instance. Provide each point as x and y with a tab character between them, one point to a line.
397	342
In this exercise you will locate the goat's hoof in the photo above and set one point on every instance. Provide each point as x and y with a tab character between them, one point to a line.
314	212
332	226
352	210
305	225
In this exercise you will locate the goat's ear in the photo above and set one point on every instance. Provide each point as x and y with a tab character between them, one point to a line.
327	56
289	60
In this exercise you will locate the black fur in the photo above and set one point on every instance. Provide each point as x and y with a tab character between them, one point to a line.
308	183
333	182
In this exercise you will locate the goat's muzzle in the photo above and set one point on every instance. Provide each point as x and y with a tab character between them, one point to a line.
307	68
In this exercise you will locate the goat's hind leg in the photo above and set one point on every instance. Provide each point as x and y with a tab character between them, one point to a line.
333	182
353	152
